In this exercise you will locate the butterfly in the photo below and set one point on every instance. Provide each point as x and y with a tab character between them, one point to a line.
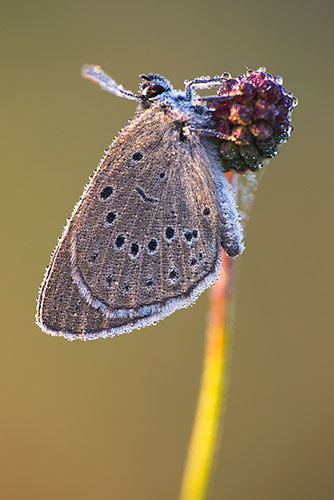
147	235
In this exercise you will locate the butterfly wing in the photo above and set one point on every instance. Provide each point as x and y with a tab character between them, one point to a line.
61	308
143	241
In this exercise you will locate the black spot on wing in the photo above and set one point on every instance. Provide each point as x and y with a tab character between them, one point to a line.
143	195
134	250
106	192
152	245
169	233
137	156
120	241
110	217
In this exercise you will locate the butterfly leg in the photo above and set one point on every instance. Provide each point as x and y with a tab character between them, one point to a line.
205	82
209	132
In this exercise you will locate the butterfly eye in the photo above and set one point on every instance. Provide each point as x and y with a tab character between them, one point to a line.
153	90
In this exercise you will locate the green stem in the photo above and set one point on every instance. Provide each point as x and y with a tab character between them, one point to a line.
205	432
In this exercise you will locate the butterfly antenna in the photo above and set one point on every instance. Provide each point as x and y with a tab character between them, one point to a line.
97	75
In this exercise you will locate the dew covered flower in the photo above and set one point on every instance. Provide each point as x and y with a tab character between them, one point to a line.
252	116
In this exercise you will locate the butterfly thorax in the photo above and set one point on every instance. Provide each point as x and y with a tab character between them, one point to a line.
178	106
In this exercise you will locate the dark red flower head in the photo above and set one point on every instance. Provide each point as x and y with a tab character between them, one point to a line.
252	115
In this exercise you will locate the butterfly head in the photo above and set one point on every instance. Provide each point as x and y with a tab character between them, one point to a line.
157	92
154	85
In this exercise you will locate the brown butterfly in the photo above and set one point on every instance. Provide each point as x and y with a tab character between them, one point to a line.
146	237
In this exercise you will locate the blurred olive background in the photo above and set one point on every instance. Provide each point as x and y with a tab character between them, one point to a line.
112	418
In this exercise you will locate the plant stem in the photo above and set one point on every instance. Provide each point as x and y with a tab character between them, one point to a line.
203	443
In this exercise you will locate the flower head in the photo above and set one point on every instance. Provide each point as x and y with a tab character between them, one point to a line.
252	116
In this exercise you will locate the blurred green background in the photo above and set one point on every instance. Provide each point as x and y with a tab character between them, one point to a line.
112	418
